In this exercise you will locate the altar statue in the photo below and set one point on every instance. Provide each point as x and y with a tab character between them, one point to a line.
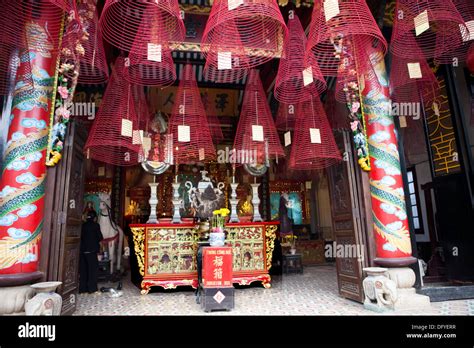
113	234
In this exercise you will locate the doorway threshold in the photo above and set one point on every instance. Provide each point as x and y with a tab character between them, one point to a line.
438	292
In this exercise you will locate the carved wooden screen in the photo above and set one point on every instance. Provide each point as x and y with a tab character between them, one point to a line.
347	226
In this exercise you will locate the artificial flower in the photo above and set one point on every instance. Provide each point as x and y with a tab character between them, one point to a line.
63	91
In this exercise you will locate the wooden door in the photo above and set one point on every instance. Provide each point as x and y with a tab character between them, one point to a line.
67	181
348	223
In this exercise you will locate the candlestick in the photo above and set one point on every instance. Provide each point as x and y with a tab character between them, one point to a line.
233	179
256	203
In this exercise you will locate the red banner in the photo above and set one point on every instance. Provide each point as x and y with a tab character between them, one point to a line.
217	267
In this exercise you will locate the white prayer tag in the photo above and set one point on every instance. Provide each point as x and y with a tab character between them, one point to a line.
137	137
308	185
436	109
233	4
331	9
287	138
308	76
154	52
224	60
470	27
414	70
202	155
403	122
422	23
146	143
101	171
184	134
315	135
257	133
127	128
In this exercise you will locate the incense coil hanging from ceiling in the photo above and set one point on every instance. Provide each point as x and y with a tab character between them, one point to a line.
255	32
189	111
352	24
256	112
299	75
115	134
313	151
93	67
436	25
121	21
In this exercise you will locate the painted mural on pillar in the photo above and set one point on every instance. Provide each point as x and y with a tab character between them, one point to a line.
386	184
24	170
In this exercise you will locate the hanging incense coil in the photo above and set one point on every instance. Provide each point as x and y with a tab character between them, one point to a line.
255	27
93	68
121	21
298	75
353	24
314	146
115	134
188	112
437	27
256	117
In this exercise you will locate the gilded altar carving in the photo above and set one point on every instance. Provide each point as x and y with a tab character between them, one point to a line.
139	245
270	233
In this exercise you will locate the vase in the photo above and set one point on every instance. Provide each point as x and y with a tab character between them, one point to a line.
217	239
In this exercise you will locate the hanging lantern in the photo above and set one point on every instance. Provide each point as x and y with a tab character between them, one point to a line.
286	115
93	68
188	124
314	146
334	26
298	75
256	132
155	66
115	137
254	26
121	21
438	28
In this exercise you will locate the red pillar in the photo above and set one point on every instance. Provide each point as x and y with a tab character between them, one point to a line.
24	170
391	228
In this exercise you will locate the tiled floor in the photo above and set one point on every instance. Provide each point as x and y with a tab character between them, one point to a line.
312	293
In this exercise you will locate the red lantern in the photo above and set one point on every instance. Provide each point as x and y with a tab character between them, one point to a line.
121	21
256	132
314	146
330	34
115	134
93	67
437	27
298	76
255	27
188	124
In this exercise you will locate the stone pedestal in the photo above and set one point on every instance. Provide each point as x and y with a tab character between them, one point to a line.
176	203
153	219
233	203
408	300
256	203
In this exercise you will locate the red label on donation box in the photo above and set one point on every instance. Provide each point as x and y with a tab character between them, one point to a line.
217	267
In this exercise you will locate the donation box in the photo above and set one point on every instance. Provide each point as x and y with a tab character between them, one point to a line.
217	267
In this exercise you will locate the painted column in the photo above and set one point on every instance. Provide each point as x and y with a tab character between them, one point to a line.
392	235
24	170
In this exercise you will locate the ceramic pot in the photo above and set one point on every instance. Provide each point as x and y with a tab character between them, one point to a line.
217	239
